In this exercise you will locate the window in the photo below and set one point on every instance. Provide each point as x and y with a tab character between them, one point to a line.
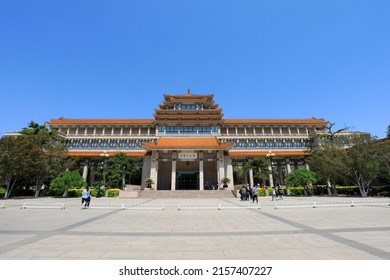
204	130
261	143
172	130
188	130
252	143
271	144
279	143
188	106
160	129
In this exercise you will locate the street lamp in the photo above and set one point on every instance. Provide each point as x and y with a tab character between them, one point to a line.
270	155
104	155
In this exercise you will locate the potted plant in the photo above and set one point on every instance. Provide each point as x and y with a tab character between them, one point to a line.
225	181
149	182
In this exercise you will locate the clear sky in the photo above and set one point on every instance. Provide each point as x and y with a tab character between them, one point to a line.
260	58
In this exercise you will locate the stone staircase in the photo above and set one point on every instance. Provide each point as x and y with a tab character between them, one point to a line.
154	194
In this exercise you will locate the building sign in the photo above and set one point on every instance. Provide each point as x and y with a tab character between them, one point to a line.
187	156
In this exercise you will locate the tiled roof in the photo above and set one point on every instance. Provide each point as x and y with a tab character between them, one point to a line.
264	153
227	121
187	143
98	153
216	111
129	121
188	95
73	121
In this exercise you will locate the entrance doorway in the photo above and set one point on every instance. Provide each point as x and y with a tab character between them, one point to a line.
187	180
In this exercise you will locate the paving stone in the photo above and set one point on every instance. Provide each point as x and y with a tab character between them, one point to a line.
328	233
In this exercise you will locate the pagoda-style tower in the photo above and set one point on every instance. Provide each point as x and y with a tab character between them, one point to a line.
188	110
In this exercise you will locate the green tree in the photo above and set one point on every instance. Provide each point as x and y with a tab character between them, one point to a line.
119	167
301	178
388	131
330	134
384	159
16	154
362	162
67	179
33	128
328	162
259	165
238	173
52	152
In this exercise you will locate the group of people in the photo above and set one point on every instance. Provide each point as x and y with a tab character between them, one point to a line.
249	193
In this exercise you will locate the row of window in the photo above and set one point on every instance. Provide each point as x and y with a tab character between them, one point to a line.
187	129
137	143
104	143
254	143
197	106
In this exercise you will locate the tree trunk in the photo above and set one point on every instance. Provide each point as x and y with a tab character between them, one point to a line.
329	186
363	185
7	194
38	187
10	186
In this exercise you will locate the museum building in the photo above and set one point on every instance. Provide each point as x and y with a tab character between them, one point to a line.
190	145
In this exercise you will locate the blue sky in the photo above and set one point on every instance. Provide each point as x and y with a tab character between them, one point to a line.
260	58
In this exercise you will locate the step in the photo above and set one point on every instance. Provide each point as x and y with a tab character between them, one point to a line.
186	194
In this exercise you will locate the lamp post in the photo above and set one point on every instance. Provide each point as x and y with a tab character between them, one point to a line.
104	155
270	155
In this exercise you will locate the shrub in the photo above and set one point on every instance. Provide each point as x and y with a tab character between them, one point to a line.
113	192
297	191
23	192
54	192
261	191
76	192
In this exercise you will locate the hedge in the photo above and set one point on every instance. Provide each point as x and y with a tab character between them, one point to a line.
323	190
76	192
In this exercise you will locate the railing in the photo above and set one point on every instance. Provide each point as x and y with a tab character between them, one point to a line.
260	135
42	205
135	206
111	136
218	206
340	203
208	134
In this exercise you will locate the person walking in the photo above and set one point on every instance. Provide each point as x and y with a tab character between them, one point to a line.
273	194
249	196
280	192
243	193
255	194
85	197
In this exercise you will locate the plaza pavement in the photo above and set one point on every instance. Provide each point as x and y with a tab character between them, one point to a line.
296	232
